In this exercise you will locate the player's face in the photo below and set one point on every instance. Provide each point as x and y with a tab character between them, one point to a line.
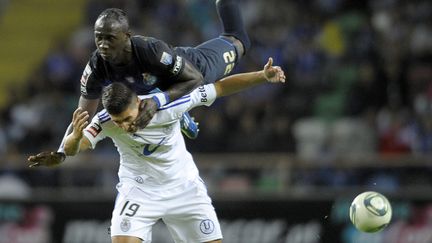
111	40
125	119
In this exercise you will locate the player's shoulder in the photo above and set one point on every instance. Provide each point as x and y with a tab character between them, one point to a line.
153	55
103	117
144	41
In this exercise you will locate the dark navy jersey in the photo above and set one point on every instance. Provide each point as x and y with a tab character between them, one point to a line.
155	64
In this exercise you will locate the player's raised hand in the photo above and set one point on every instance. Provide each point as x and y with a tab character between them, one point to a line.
79	122
147	109
273	74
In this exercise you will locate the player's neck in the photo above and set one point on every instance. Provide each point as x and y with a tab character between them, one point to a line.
124	60
125	57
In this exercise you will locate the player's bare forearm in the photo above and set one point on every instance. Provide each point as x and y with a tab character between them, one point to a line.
148	107
189	79
76	144
72	145
73	141
238	82
235	83
180	89
89	105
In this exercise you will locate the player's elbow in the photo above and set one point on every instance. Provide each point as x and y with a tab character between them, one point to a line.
196	79
199	80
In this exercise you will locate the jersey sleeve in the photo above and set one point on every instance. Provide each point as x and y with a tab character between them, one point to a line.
94	131
91	83
158	57
203	95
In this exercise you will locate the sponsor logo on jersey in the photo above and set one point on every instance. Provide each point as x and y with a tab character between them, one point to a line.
94	129
149	79
139	179
166	58
125	225
207	226
148	150
203	94
177	65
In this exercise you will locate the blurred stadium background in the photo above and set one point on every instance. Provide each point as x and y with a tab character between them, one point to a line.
282	162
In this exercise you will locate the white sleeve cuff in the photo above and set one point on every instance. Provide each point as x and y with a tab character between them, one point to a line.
161	98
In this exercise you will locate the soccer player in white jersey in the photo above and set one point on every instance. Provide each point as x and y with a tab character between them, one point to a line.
158	177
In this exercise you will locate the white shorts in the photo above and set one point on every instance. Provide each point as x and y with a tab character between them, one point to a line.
186	210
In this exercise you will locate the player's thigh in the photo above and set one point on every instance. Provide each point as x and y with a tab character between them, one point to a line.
221	56
186	229
134	215
125	239
238	44
215	58
192	217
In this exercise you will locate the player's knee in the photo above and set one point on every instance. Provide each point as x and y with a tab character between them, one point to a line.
245	41
242	45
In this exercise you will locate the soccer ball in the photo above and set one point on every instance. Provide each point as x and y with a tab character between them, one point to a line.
370	212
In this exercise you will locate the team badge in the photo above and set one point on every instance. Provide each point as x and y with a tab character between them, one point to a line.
125	225
166	59
139	179
207	226
149	79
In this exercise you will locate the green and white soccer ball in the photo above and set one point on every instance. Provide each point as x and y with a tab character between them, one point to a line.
370	212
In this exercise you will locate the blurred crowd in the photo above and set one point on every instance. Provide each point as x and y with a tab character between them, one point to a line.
359	78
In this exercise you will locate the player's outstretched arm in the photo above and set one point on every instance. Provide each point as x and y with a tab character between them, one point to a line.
51	158
235	83
189	79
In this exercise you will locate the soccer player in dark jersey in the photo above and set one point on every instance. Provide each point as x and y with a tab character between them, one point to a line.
146	64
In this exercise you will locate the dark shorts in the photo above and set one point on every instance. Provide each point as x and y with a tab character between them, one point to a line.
215	58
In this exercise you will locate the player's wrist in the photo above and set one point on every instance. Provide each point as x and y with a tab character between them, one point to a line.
265	76
61	153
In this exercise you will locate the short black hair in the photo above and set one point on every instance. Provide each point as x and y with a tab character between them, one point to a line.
116	14
116	98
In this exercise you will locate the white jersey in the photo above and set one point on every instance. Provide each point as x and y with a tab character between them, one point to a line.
155	156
